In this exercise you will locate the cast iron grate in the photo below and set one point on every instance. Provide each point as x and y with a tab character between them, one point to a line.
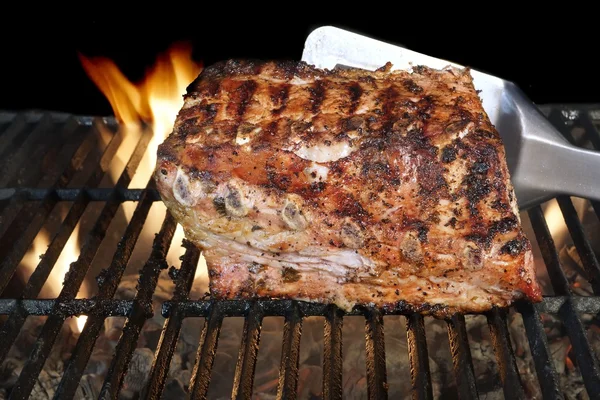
28	195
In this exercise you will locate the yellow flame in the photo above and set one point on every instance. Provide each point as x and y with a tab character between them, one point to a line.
155	100
80	322
554	218
70	252
34	253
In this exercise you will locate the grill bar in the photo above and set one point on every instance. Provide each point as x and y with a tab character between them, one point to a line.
375	356
36	221
418	357
591	132
21	232
170	333
25	307
11	328
513	388
243	379
142	304
73	279
42	271
200	308
68	161
209	340
540	351
36	142
582	244
584	354
95	323
12	133
46	153
71	194
332	354
461	357
581	304
587	362
290	354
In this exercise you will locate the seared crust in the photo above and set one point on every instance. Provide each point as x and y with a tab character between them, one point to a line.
346	186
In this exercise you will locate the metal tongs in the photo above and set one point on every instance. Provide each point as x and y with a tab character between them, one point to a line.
542	163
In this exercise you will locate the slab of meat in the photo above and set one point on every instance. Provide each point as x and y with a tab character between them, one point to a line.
387	188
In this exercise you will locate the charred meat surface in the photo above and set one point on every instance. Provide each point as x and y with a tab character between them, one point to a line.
346	186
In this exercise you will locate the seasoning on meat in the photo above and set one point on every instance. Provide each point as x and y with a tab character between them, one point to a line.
346	186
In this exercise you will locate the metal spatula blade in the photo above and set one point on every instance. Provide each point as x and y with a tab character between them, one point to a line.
542	163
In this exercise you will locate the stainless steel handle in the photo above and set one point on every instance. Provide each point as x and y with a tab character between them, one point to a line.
581	176
543	163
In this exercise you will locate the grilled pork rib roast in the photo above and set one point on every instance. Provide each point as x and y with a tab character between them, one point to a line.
345	186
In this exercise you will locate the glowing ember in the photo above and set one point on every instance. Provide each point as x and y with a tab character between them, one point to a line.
155	100
568	361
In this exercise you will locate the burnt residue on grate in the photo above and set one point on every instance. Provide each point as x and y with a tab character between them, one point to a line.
39	172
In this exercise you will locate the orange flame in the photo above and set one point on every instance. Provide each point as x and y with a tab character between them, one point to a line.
156	100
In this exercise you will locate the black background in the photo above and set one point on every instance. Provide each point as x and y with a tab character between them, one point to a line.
550	53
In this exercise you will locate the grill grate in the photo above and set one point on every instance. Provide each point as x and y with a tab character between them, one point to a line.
28	196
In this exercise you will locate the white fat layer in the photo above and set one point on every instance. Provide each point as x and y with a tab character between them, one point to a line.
298	81
241	140
467	291
322	153
465	131
335	262
320	173
390	211
244	137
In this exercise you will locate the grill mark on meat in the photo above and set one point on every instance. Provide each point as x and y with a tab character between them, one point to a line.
456	126
279	97
349	206
317	95
242	96
483	235
389	102
419	226
203	115
205	88
190	126
425	106
411	86
356	92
